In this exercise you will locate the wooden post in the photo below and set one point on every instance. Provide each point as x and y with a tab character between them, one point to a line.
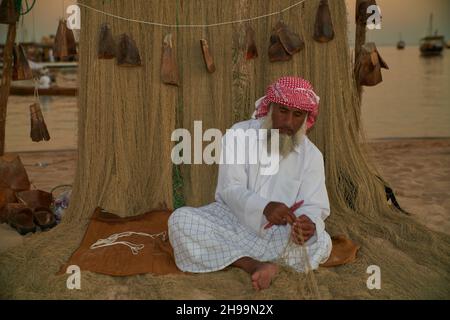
6	82
360	33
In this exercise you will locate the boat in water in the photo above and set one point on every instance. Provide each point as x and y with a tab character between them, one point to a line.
20	90
49	78
432	45
401	44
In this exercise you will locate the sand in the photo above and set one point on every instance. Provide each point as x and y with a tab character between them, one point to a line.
417	170
46	170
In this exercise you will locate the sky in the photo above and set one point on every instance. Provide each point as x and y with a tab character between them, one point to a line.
408	17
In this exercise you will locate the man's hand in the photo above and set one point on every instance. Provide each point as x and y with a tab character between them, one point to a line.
279	214
303	226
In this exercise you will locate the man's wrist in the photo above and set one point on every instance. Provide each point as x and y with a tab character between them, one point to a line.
266	209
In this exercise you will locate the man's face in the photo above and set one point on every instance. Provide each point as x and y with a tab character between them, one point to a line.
286	119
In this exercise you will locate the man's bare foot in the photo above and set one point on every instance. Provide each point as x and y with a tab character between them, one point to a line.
263	275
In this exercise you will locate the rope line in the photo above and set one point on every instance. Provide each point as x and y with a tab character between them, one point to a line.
135	248
191	25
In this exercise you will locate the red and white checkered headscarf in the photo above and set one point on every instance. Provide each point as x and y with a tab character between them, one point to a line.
293	92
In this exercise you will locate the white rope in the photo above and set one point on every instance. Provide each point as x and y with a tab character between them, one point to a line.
191	25
135	248
309	274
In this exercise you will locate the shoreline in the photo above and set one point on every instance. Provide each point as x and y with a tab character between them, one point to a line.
418	170
368	141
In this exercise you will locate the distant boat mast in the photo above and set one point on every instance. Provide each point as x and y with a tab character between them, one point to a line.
430	25
401	44
432	45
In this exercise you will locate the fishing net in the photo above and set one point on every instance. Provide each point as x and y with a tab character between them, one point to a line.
126	117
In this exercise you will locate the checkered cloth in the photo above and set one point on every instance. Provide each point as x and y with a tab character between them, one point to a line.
293	92
211	238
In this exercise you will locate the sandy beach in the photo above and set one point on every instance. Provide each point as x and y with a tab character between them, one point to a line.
417	169
46	170
419	172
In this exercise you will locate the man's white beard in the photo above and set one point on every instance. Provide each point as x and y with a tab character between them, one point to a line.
287	143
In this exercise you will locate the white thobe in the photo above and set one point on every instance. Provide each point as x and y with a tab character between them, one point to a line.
210	238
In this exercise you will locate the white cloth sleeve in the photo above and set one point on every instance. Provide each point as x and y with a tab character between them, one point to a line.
232	190
313	191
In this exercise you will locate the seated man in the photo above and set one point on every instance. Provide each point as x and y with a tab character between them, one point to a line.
254	215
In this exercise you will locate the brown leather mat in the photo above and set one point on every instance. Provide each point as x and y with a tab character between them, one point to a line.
118	260
344	251
156	256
